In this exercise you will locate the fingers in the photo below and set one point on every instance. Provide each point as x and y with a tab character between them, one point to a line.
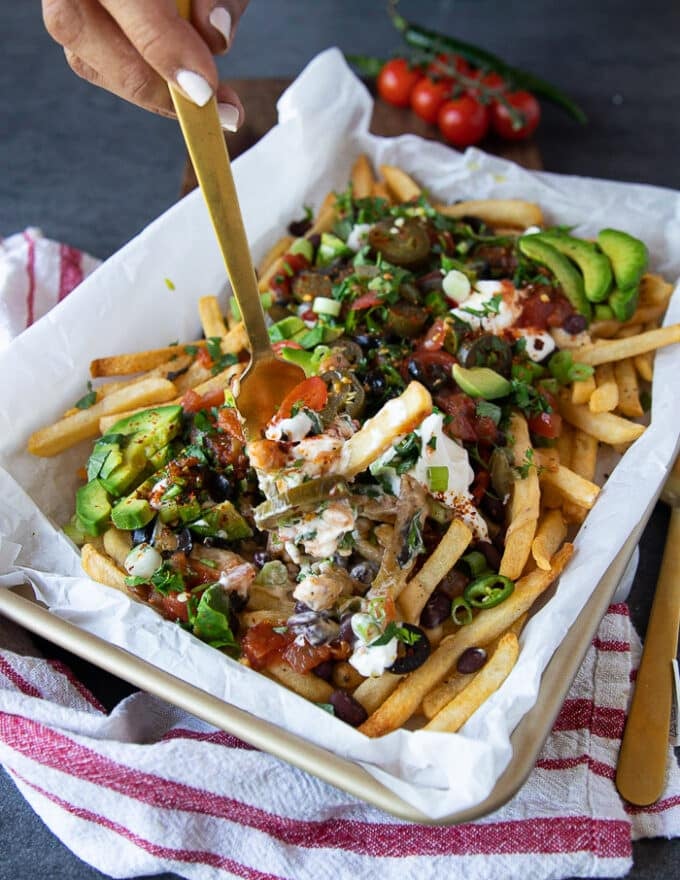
170	45
98	51
216	22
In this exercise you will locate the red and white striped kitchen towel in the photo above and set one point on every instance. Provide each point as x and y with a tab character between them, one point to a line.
148	788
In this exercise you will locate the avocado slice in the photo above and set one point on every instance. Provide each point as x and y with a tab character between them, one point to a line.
129	450
624	302
567	275
222	521
594	265
132	513
481	382
628	256
93	507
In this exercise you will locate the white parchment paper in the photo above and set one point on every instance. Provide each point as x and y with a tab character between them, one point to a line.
126	305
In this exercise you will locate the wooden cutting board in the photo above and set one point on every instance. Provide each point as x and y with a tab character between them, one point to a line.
259	97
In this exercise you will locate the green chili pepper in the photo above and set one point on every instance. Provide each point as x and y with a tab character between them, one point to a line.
486	592
432	42
461	611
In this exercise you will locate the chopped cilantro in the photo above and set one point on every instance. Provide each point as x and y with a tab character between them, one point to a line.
490	307
87	400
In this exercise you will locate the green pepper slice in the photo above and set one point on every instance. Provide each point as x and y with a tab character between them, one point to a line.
486	592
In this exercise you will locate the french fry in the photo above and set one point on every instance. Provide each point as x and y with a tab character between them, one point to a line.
524	505
604	351
380	191
362	178
65	433
583	463
487	681
571	486
513	213
102	568
550	535
275	251
140	361
452	686
345	676
629	391
309	686
325	218
277	616
401	186
419	589
654	290
117	544
407	696
210	315
581	391
644	363
372	692
398	416
605	398
605	426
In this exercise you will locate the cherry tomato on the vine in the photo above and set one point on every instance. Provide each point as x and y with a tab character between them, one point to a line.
490	84
445	66
463	121
428	96
396	81
518	123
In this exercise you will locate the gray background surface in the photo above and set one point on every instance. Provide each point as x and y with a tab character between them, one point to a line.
92	171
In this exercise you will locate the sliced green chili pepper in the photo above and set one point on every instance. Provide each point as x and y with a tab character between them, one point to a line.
461	611
486	592
433	42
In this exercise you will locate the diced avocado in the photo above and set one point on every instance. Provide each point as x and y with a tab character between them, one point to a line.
330	248
132	513
628	256
302	246
481	382
624	302
567	275
75	531
286	328
93	507
222	521
127	452
595	266
178	509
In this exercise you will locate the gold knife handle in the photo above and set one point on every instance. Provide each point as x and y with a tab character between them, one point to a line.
641	770
208	151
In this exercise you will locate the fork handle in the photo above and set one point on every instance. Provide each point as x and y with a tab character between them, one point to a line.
641	771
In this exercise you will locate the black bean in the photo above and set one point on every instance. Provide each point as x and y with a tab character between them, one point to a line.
493	508
366	340
324	670
410	657
436	610
145	534
491	554
299	227
348	709
375	383
453	583
471	660
574	324
261	557
364	572
301	608
185	541
346	631
220	486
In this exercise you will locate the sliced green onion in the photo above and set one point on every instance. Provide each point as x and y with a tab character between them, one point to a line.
563	368
438	478
477	564
461	611
324	305
456	285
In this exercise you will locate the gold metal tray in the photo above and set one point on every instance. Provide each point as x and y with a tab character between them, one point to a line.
527	738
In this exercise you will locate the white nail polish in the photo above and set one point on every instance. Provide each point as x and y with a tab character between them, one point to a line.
195	87
220	19
228	116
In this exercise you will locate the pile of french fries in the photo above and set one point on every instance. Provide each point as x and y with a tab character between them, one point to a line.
552	491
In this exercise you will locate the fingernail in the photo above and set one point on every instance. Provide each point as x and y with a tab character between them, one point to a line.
220	19
228	116
195	87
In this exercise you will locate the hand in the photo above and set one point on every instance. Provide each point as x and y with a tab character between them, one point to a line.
135	49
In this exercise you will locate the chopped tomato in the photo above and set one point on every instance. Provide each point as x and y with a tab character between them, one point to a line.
305	657
193	402
229	422
311	393
479	486
262	645
294	263
544	308
170	606
548	425
435	336
204	358
366	301
463	422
